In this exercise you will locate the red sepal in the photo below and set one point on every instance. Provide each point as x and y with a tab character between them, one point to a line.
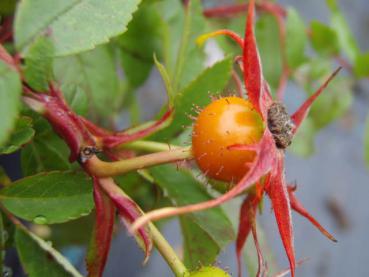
112	139
125	137
94	129
262	266
128	211
247	224
299	208
302	112
253	75
65	123
277	191
102	234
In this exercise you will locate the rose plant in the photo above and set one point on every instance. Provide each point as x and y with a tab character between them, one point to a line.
68	70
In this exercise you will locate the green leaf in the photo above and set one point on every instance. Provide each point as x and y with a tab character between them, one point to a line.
94	73
76	98
346	39
73	25
72	233
303	143
149	2
139	43
366	141
267	36
39	258
198	248
4	178
324	39
311	71
237	25
190	58
7	7
39	63
167	82
196	94
296	39
140	187
333	103
46	152
183	59
361	66
9	233
183	189
141	191
22	134
49	198
10	92
172	16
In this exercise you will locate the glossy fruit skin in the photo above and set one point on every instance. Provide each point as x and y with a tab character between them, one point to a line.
223	123
209	271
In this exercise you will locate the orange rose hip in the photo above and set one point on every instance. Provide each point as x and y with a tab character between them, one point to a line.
225	122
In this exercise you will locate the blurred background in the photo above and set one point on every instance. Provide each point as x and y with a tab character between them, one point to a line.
332	183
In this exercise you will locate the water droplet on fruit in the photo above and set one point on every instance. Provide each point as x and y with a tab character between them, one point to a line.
40	219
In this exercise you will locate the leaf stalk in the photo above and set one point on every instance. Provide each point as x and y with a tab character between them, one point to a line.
100	168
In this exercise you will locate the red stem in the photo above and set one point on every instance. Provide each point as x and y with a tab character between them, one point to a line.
6	30
279	16
7	58
344	63
283	82
238	83
228	11
275	10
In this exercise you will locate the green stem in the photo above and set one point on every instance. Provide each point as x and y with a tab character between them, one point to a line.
148	146
183	46
99	168
161	244
167	252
